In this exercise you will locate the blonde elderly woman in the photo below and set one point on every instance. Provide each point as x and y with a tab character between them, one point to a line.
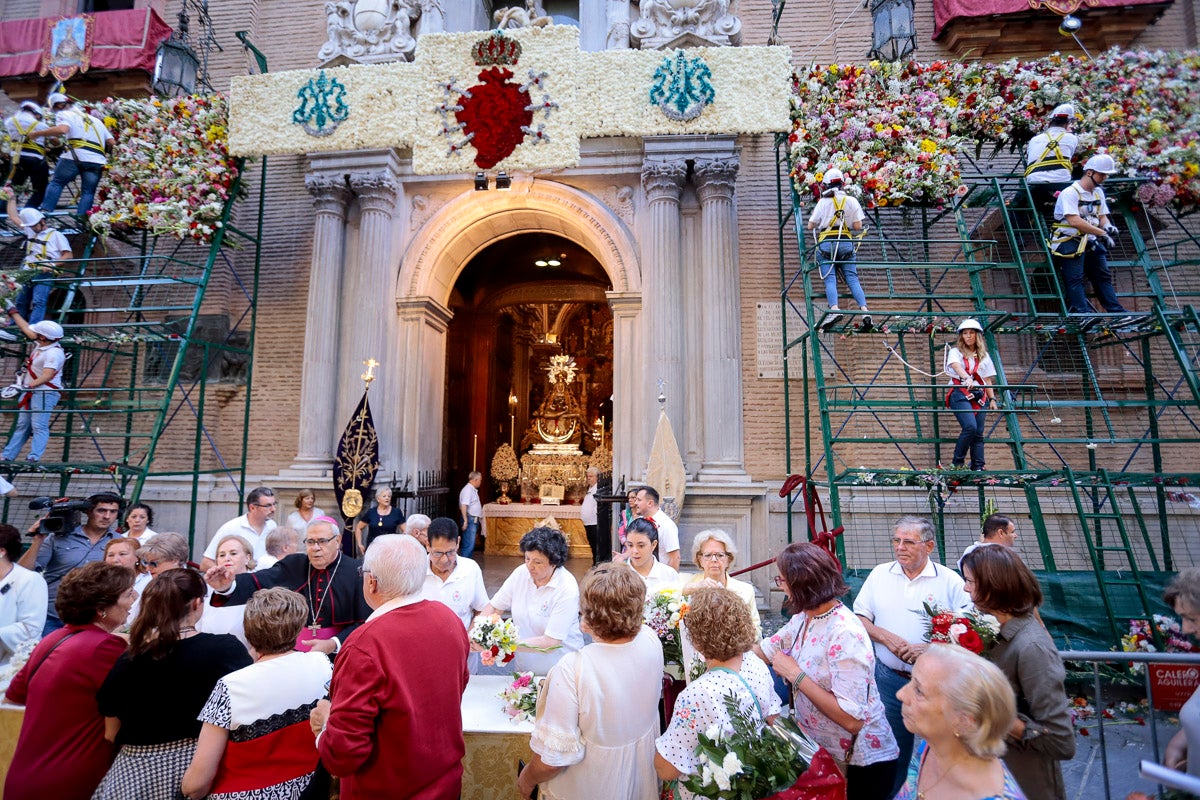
236	554
960	707
595	729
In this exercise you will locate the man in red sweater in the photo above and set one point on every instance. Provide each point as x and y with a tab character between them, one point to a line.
393	727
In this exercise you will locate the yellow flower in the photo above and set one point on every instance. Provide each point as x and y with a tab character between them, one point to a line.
952	102
928	146
1191	170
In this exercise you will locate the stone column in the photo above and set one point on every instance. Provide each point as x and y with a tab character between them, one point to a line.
318	394
422	341
630	447
723	458
371	329
661	292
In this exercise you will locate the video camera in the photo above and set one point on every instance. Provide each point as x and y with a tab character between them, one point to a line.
63	514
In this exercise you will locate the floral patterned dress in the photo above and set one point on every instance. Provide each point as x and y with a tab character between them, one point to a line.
837	654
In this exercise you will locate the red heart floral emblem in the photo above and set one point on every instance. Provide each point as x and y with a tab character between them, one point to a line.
495	111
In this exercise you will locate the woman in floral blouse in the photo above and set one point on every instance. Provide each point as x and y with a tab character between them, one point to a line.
824	653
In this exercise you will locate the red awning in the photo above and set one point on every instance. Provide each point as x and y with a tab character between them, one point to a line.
121	40
947	11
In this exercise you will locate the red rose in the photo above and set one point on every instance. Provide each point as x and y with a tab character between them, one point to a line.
495	651
971	641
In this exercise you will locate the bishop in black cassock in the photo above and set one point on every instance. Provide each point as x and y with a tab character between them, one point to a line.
328	580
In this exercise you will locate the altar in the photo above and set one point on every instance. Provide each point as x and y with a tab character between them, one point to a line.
505	524
494	741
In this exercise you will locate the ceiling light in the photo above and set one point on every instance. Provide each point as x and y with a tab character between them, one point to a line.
554	262
541	263
481	182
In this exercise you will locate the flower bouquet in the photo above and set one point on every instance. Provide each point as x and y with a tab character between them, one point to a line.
520	698
748	760
662	613
497	637
971	629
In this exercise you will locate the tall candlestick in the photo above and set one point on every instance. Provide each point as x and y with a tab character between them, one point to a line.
512	431
474	450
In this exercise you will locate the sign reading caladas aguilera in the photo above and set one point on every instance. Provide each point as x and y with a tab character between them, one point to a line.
515	100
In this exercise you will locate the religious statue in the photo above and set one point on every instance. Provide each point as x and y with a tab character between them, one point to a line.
669	24
531	16
371	31
558	424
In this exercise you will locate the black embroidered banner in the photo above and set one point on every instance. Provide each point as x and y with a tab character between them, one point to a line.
354	468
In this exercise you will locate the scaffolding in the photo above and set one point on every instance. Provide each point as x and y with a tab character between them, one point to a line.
1099	413
158	331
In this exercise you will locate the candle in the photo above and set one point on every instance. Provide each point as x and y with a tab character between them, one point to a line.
512	431
474	450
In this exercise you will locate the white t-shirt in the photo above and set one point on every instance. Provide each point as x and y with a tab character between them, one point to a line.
49	356
22	124
241	526
1067	143
668	535
588	510
661	577
551	610
463	590
822	216
984	368
1073	200
469	497
45	248
893	602
85	128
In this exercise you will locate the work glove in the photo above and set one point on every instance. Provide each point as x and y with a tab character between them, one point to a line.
1112	230
1108	241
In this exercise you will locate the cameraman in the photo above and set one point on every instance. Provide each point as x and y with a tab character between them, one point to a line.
59	553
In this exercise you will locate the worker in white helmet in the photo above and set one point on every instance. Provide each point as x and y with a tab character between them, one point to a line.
971	392
1082	237
836	219
46	250
26	131
1048	156
86	155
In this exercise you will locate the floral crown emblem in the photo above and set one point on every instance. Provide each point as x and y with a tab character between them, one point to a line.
496	49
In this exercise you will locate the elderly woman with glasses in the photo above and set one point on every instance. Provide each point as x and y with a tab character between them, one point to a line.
326	578
714	552
177	665
595	728
236	554
825	655
543	597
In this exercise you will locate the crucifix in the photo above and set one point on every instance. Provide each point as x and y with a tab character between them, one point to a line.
369	375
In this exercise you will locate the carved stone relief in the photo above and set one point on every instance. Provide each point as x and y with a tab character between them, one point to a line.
372	31
423	208
620	200
531	16
667	24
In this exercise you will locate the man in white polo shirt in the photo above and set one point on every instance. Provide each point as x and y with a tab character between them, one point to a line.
456	582
254	526
891	606
668	531
86	155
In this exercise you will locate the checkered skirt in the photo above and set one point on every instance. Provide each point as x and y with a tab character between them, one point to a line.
147	771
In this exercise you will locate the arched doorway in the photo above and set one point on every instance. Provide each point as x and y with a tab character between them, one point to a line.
468	276
519	301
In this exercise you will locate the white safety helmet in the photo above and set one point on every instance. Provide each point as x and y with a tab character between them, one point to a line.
30	217
1101	162
1063	110
833	175
51	330
31	107
55	98
970	324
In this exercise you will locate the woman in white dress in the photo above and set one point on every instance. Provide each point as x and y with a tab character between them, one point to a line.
23	598
543	597
641	553
721	629
595	728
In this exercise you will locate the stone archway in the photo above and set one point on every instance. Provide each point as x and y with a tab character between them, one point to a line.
446	243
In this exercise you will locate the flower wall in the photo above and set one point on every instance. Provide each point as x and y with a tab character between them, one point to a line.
897	129
171	172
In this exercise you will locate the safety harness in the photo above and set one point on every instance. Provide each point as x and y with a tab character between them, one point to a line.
1065	233
27	398
87	144
1051	158
24	144
971	365
837	226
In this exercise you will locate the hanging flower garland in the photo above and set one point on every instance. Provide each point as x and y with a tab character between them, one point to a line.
897	129
171	172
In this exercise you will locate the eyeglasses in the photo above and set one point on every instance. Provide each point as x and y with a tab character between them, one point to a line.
318	542
364	571
154	564
264	505
898	542
442	553
713	556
